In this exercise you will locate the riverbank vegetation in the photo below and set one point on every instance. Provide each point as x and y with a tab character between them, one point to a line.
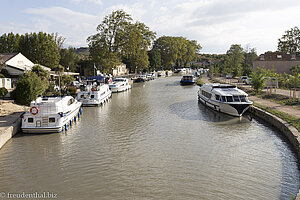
284	116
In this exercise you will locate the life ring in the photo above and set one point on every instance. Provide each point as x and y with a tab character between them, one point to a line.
34	110
93	89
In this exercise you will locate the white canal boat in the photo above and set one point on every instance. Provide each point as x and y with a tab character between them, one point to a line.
51	114
119	85
224	98
94	94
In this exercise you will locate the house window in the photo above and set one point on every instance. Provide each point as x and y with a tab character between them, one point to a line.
52	120
30	120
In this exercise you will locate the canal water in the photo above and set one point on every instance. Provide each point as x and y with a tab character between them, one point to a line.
153	142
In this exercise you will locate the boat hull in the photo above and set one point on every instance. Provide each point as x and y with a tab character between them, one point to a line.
234	109
119	89
65	119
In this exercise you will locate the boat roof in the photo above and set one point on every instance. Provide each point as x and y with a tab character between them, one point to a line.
223	89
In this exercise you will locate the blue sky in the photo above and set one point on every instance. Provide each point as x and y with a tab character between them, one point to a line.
215	24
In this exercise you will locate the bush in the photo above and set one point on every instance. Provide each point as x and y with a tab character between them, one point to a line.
2	76
29	87
3	92
72	90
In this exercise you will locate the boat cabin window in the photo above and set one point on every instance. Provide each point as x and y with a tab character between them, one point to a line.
71	101
30	120
236	98
82	96
218	97
51	119
206	94
229	98
223	98
243	98
92	96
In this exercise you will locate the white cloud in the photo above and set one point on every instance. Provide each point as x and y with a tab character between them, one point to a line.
75	26
99	2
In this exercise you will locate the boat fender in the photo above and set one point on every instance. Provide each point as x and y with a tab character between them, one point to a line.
66	127
70	122
34	110
75	119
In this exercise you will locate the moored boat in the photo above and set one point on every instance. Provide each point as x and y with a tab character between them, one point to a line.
224	98
187	80
50	114
94	93
119	85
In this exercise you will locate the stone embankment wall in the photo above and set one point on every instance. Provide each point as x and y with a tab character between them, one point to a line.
7	132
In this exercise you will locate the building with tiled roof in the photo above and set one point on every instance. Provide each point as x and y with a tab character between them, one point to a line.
281	62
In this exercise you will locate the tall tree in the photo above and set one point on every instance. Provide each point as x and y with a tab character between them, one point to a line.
290	41
176	50
154	59
9	43
119	38
40	48
69	59
249	56
234	59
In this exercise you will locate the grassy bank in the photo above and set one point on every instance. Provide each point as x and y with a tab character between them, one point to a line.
286	117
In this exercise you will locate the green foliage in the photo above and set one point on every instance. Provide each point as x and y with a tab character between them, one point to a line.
72	90
37	47
40	48
64	80
3	92
249	56
286	117
2	76
154	59
9	43
234	59
119	39
43	74
290	41
5	73
69	58
199	81
257	79
29	87
176	51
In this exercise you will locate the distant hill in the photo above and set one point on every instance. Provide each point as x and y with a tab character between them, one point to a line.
82	52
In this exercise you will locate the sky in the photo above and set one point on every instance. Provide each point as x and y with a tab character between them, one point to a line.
214	24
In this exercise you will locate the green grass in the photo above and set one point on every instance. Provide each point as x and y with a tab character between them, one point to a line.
199	81
286	117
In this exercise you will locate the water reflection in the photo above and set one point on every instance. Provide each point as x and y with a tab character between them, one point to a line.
194	110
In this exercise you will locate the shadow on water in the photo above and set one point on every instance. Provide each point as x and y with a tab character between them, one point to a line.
193	110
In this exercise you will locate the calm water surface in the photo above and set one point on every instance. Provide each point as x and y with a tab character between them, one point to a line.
153	142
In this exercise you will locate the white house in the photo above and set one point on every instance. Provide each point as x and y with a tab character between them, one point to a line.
16	64
120	70
5	82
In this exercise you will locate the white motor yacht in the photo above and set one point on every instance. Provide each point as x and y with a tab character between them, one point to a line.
119	85
224	98
94	93
51	114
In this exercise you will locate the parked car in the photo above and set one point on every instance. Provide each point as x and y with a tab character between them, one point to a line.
242	79
228	76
